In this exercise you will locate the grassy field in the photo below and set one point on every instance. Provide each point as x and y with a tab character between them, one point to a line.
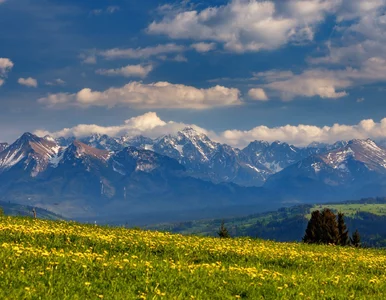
350	210
66	260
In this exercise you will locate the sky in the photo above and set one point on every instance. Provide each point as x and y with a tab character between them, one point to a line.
297	71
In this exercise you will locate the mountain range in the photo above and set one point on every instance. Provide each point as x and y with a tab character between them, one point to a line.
181	176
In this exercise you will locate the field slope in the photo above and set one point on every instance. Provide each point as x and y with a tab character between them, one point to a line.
65	260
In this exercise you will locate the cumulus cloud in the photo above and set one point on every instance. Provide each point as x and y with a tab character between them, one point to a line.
30	82
358	46
360	39
303	135
310	83
128	71
149	124
326	83
146	52
352	9
5	66
258	94
248	25
153	95
56	81
203	47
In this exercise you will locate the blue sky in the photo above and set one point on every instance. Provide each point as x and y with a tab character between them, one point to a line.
237	70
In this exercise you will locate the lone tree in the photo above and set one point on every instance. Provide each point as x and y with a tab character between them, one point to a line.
1	212
355	239
342	231
223	231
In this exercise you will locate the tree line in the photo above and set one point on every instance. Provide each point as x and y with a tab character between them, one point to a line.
324	227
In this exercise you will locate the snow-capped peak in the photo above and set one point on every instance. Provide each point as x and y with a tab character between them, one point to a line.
49	138
364	151
34	152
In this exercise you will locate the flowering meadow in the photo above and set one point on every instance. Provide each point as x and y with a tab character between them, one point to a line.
67	260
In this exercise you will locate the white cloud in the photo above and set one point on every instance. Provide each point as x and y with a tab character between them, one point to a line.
248	25
153	95
258	94
203	47
30	82
180	58
310	83
326	83
2	1
5	67
146	52
128	71
91	60
56	81
148	124
303	135
152	126
352	9
358	45
89	57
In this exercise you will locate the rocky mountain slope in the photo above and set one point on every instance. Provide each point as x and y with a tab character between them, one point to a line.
100	176
79	181
356	169
3	146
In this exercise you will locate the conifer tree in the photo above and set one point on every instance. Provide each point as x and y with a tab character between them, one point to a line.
313	232
330	234
342	231
223	231
322	228
355	239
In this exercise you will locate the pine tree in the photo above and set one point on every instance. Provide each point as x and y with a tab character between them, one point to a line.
322	228
313	232
223	231
342	231
330	233
355	239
